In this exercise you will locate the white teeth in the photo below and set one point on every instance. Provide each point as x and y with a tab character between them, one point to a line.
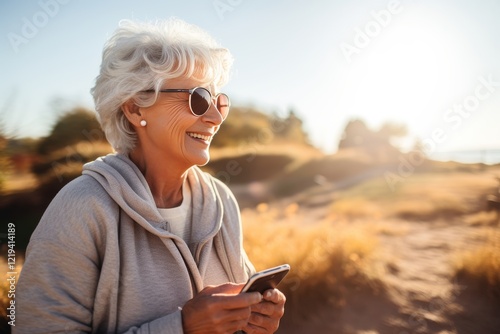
198	136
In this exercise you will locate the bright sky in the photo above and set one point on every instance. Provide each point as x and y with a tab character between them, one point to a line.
432	65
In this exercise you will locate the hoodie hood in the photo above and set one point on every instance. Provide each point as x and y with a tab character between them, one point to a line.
126	185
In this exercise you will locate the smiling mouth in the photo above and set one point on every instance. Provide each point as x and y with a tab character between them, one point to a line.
199	136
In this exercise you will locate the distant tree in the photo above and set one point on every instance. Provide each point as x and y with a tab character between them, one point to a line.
378	143
356	134
391	131
5	164
418	146
292	129
77	125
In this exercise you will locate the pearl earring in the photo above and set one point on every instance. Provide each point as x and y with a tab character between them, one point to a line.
143	123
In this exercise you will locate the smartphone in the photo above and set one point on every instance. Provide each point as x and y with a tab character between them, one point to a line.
266	279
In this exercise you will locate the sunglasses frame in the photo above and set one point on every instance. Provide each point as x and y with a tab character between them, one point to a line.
191	91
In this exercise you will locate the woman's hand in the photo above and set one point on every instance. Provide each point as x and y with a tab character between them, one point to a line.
266	315
219	309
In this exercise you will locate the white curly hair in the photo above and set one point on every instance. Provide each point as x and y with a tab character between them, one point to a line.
144	55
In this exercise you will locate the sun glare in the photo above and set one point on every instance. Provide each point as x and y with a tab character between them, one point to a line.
408	74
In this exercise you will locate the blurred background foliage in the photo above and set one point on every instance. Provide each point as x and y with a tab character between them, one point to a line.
333	208
75	126
40	167
77	138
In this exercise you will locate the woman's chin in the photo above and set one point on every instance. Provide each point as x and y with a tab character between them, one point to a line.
201	159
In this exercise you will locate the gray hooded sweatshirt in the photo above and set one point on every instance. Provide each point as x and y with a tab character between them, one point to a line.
102	259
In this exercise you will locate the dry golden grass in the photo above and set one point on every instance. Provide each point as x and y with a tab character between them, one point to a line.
326	259
419	197
18	182
481	266
356	207
482	218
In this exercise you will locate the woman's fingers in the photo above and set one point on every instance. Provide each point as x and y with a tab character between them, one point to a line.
266	315
275	296
218	310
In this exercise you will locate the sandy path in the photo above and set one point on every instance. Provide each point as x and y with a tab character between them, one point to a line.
422	296
420	277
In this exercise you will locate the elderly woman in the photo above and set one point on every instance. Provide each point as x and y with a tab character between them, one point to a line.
144	241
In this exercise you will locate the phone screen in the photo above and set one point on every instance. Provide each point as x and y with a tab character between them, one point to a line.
267	279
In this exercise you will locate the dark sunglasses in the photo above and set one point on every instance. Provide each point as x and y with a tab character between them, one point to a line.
200	100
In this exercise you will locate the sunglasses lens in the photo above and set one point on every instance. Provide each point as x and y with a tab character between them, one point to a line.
223	104
200	101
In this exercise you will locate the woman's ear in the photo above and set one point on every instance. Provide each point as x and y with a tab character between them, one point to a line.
132	112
